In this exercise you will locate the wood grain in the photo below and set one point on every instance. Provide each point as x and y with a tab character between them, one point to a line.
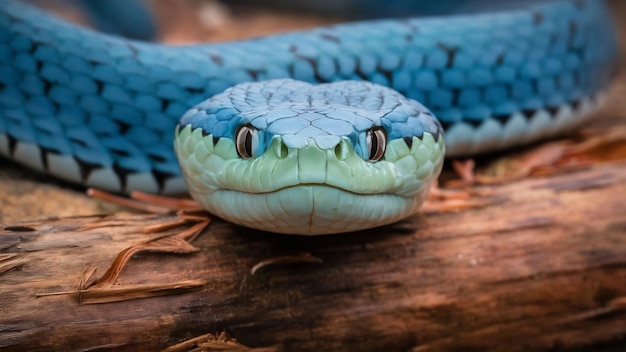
543	267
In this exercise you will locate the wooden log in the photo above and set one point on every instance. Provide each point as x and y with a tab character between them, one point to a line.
542	267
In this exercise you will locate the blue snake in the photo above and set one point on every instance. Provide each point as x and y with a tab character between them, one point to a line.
357	146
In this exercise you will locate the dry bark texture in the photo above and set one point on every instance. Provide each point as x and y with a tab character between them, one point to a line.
541	266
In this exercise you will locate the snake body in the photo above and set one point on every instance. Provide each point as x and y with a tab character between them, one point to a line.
100	110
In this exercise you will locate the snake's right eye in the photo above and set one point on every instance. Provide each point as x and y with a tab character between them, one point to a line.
376	139
247	141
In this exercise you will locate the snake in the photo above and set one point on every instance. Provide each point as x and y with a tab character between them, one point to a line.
329	130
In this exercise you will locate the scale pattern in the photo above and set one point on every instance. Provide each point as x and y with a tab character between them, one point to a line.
100	110
326	113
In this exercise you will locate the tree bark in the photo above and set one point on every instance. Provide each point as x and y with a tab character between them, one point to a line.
542	267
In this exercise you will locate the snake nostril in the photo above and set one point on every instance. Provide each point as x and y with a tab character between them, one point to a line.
282	151
341	152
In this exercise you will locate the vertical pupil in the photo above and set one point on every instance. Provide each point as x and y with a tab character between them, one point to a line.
248	142
374	144
377	143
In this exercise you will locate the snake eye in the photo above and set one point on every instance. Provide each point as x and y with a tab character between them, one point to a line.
247	141
376	139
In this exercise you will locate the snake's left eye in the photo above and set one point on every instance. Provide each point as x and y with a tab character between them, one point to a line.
376	139
247	141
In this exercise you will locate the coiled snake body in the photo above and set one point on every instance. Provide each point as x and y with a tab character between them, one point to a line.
283	155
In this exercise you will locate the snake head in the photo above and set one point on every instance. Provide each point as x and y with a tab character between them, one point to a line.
290	157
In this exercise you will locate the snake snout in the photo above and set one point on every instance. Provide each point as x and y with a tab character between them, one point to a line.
339	151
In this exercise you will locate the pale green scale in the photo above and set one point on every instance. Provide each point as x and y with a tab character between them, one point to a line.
308	190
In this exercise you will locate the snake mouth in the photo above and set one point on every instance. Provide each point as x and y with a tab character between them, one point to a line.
318	185
308	209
